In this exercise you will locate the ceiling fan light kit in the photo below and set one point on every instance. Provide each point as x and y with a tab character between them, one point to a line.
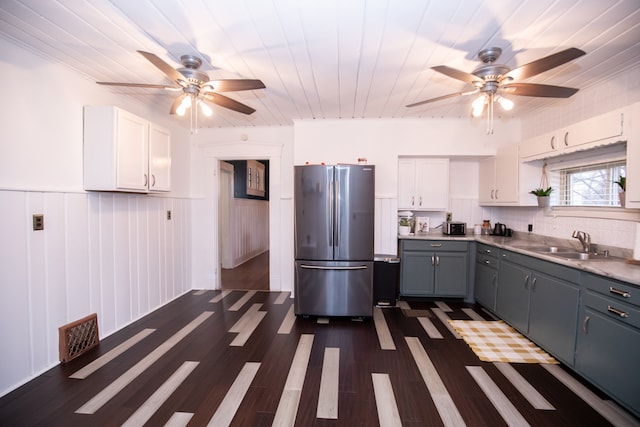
196	87
491	80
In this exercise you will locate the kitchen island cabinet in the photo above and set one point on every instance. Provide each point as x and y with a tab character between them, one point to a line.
434	268
608	348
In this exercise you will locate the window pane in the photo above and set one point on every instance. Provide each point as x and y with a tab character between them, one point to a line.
593	185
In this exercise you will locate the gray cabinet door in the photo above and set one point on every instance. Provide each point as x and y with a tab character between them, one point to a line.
553	316
417	270
485	286
451	274
512	300
608	353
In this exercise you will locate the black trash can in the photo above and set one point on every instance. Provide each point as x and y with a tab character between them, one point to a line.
386	276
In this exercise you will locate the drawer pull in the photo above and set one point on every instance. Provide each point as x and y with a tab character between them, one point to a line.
487	261
584	324
488	251
436	245
618	312
623	294
533	283
526	281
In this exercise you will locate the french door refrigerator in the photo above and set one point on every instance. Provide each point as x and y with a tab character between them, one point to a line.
334	214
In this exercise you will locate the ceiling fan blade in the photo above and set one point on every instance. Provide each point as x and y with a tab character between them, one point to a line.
440	98
171	72
145	85
544	64
232	85
176	103
457	74
532	89
227	102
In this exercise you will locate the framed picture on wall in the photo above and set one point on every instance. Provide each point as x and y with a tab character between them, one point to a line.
422	225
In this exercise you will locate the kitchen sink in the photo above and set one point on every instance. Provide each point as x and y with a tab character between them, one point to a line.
582	256
547	249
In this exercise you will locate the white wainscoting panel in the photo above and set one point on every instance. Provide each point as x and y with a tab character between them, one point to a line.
386	226
249	220
111	253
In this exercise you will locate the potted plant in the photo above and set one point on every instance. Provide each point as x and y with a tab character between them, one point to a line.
622	183
405	226
543	195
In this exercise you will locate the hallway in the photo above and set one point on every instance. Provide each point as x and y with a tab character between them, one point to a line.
252	275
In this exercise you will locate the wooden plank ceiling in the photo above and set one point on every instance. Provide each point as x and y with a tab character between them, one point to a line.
328	58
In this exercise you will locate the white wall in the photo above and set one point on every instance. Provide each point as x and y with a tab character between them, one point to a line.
113	254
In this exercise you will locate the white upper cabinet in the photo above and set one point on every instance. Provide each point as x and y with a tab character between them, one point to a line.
503	180
123	152
255	178
632	129
601	130
423	184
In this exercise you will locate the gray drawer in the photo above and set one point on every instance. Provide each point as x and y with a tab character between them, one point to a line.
612	308
482	258
487	250
434	245
614	289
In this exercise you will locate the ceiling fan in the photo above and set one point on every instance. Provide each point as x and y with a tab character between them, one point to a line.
196	86
491	81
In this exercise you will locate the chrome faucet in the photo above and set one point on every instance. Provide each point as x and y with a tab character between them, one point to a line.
584	238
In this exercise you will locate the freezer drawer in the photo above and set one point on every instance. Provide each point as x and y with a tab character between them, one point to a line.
334	288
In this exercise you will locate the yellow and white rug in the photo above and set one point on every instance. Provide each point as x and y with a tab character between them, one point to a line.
495	341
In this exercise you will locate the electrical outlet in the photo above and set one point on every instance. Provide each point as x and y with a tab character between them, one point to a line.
169	215
38	222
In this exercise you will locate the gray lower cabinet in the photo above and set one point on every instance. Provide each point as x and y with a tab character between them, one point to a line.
434	268
486	280
608	348
540	299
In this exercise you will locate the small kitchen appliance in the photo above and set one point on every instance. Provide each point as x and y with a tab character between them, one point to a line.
454	228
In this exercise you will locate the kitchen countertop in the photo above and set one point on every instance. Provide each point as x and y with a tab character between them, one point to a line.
615	268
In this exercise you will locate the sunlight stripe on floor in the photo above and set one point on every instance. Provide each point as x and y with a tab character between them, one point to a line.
179	419
157	399
221	295
444	306
290	398
328	395
609	412
287	322
473	315
89	369
382	329
524	387
281	298
430	328
388	414
232	400
199	292
502	404
443	318
442	400
403	305
125	379
242	301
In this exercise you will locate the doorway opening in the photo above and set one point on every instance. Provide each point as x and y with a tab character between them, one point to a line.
244	224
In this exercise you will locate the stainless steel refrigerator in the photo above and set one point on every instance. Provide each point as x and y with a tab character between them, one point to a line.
334	213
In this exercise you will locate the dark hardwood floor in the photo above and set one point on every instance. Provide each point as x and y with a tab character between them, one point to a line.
273	341
251	275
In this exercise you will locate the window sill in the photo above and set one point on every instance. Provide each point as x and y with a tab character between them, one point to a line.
586	212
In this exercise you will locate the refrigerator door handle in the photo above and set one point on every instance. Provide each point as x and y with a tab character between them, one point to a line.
319	267
337	208
330	208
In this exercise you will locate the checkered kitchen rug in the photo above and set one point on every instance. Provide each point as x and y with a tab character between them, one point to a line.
495	341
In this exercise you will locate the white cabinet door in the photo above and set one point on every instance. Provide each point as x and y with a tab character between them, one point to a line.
540	147
593	130
632	123
487	181
423	184
507	182
132	156
159	159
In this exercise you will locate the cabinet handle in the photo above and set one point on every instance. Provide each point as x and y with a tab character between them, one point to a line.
488	251
623	294
437	260
433	260
584	324
412	200
487	262
146	180
496	194
566	139
420	200
492	194
620	313
553	142
533	283
526	281
153	180
436	245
